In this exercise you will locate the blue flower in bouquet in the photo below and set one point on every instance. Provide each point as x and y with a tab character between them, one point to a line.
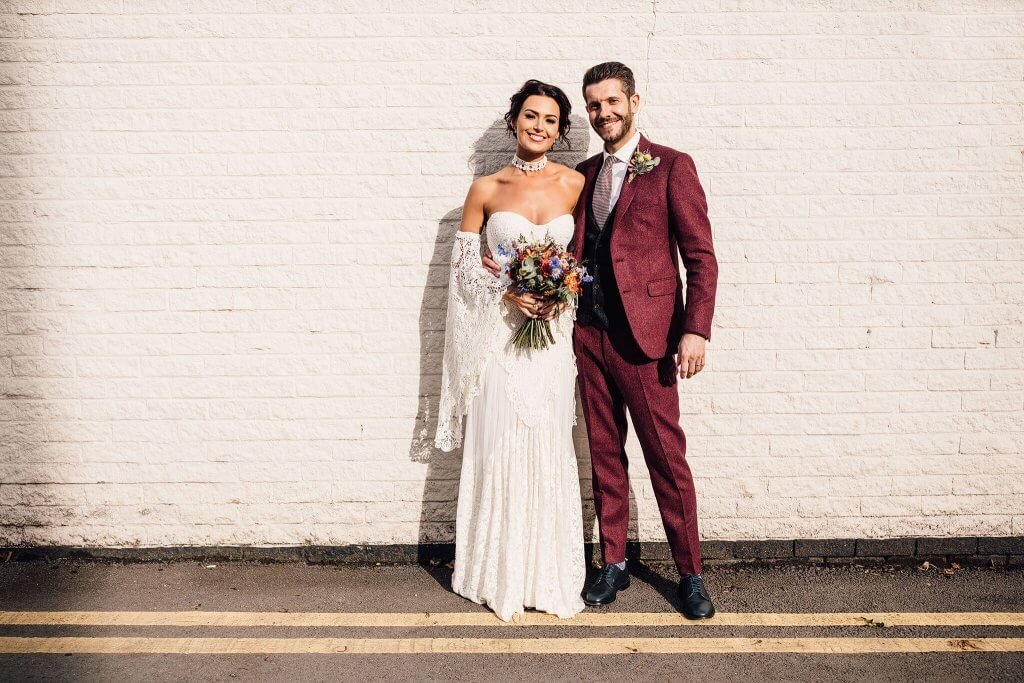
555	267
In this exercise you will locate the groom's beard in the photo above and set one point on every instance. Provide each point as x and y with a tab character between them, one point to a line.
625	127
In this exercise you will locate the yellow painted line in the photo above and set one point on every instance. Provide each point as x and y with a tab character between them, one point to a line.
421	619
590	646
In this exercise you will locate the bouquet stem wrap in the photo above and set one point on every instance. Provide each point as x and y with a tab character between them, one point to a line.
534	333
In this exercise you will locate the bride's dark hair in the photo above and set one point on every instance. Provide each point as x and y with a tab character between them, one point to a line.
535	87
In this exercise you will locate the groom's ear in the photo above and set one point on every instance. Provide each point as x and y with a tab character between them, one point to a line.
634	102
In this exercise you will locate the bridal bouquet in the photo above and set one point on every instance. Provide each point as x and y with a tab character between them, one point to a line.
546	270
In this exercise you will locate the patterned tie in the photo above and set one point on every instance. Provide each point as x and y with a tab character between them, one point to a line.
603	192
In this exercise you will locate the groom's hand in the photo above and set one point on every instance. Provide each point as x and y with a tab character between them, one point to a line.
491	265
691	355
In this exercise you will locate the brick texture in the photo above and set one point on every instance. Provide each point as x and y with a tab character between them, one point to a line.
225	227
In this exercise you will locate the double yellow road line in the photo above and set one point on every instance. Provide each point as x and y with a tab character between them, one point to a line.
590	646
423	619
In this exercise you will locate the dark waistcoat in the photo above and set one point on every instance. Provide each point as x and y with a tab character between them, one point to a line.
600	302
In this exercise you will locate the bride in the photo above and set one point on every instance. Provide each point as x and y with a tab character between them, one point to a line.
519	526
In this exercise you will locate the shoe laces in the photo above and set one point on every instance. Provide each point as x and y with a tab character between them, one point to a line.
606	572
697	586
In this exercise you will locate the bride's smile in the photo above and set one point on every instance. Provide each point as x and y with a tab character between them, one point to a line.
536	127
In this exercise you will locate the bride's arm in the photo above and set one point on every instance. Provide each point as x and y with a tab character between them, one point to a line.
473	206
472	322
473	210
467	273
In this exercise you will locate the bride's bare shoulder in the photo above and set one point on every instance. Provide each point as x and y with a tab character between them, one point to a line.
571	177
483	187
488	185
565	173
486	181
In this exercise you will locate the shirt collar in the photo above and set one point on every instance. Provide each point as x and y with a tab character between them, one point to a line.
624	153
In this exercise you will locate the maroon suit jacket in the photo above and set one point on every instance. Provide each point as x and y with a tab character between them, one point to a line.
656	214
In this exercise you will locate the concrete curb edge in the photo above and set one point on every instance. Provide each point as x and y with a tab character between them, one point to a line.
1002	551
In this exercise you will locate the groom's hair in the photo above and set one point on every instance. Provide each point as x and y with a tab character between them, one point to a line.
606	70
535	87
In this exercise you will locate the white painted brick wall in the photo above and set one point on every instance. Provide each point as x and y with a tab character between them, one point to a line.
224	247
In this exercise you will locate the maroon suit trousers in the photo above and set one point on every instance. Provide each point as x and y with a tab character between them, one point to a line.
614	375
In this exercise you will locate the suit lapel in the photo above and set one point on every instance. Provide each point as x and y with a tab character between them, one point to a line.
628	190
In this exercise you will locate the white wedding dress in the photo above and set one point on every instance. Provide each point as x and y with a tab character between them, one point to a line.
519	524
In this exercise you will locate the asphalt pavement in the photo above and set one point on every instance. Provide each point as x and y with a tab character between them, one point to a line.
90	621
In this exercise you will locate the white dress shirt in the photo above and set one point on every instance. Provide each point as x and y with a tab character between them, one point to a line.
622	157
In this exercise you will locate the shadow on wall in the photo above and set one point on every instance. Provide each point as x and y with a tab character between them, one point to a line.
491	152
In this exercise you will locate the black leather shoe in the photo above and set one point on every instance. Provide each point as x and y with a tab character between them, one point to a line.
694	596
609	582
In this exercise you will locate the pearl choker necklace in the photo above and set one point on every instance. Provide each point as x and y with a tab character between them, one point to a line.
529	166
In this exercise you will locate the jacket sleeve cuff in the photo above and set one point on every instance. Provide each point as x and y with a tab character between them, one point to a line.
706	336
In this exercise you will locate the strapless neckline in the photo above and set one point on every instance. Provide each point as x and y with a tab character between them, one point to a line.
539	225
512	226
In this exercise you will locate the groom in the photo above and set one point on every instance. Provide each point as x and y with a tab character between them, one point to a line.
634	213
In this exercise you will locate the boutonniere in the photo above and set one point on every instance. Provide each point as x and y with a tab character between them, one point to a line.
640	163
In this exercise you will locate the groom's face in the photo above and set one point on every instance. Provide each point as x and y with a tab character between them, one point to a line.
610	110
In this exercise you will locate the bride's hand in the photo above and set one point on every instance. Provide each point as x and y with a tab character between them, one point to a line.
550	308
525	302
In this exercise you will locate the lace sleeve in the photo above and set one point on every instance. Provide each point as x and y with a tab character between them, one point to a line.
472	325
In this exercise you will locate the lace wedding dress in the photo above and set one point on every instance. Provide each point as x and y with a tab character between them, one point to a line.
519	525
